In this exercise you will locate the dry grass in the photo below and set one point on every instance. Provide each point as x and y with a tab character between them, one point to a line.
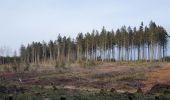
132	76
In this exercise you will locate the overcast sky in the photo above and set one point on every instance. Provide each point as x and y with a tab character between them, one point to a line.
24	21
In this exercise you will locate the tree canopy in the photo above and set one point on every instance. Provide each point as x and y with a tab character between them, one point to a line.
125	44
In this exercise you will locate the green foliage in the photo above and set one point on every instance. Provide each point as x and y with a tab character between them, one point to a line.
8	60
147	43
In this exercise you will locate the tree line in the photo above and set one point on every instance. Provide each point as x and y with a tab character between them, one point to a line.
146	43
7	56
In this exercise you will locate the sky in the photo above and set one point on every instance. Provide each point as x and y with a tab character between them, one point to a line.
25	21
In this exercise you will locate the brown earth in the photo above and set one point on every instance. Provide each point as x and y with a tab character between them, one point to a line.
121	77
161	76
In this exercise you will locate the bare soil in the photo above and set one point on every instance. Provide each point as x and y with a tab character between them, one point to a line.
161	76
121	77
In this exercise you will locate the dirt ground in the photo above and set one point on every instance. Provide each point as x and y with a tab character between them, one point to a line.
161	76
121	77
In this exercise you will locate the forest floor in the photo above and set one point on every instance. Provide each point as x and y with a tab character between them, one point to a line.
122	77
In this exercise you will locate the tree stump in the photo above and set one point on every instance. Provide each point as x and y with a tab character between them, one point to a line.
112	90
10	97
130	97
139	90
157	98
63	98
